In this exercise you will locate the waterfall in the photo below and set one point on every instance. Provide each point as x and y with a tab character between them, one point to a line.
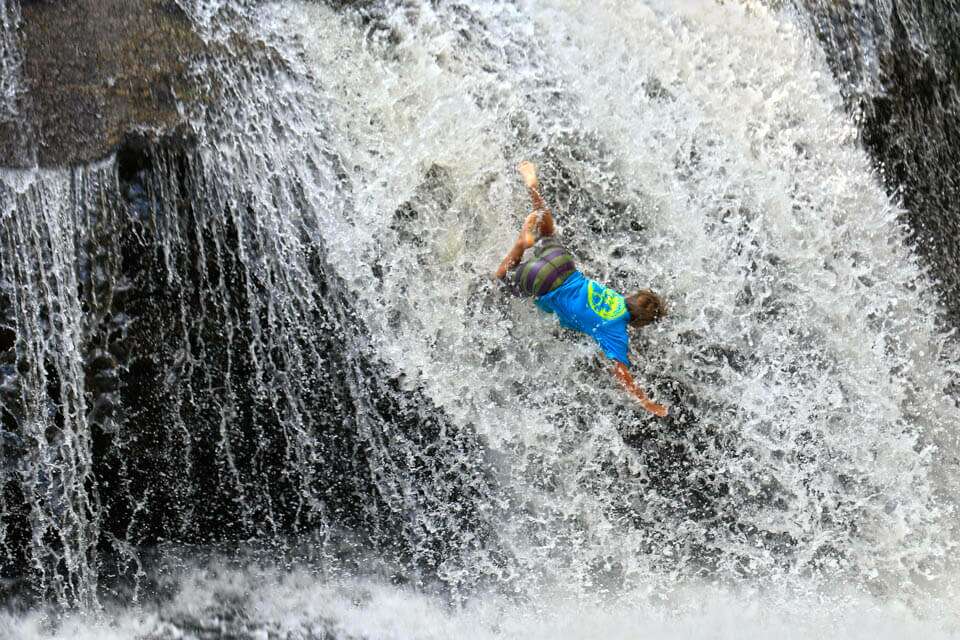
793	297
10	61
184	295
47	448
277	330
15	143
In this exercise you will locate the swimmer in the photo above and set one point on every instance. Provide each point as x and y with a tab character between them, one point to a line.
551	277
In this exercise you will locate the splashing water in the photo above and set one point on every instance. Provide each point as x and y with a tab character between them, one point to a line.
793	301
699	149
218	601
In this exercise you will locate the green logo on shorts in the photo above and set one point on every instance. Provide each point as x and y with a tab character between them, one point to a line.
606	303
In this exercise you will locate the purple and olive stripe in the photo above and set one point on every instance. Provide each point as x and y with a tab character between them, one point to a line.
547	271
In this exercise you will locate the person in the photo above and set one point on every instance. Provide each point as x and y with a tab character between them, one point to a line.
582	304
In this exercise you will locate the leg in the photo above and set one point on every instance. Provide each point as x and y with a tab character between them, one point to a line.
528	171
546	223
524	241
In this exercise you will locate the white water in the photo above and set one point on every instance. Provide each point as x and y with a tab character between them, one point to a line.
10	60
780	200
294	603
802	331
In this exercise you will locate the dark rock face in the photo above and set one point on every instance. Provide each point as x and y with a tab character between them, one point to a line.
169	370
210	414
93	70
898	63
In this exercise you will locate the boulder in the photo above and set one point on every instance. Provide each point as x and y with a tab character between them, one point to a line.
91	71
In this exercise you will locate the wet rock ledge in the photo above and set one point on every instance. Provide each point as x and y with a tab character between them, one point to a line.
94	70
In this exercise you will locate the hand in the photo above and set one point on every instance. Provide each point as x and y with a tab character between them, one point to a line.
660	410
623	375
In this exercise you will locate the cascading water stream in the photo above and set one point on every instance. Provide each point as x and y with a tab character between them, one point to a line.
50	454
12	126
9	60
753	226
235	394
287	326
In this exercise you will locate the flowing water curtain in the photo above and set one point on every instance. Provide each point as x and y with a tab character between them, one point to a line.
251	345
228	365
793	481
49	504
181	339
580	176
16	148
773	222
286	194
52	506
10	59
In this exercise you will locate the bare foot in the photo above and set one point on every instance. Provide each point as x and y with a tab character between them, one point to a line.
528	171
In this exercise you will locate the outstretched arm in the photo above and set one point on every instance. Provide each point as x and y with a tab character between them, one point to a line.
623	375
